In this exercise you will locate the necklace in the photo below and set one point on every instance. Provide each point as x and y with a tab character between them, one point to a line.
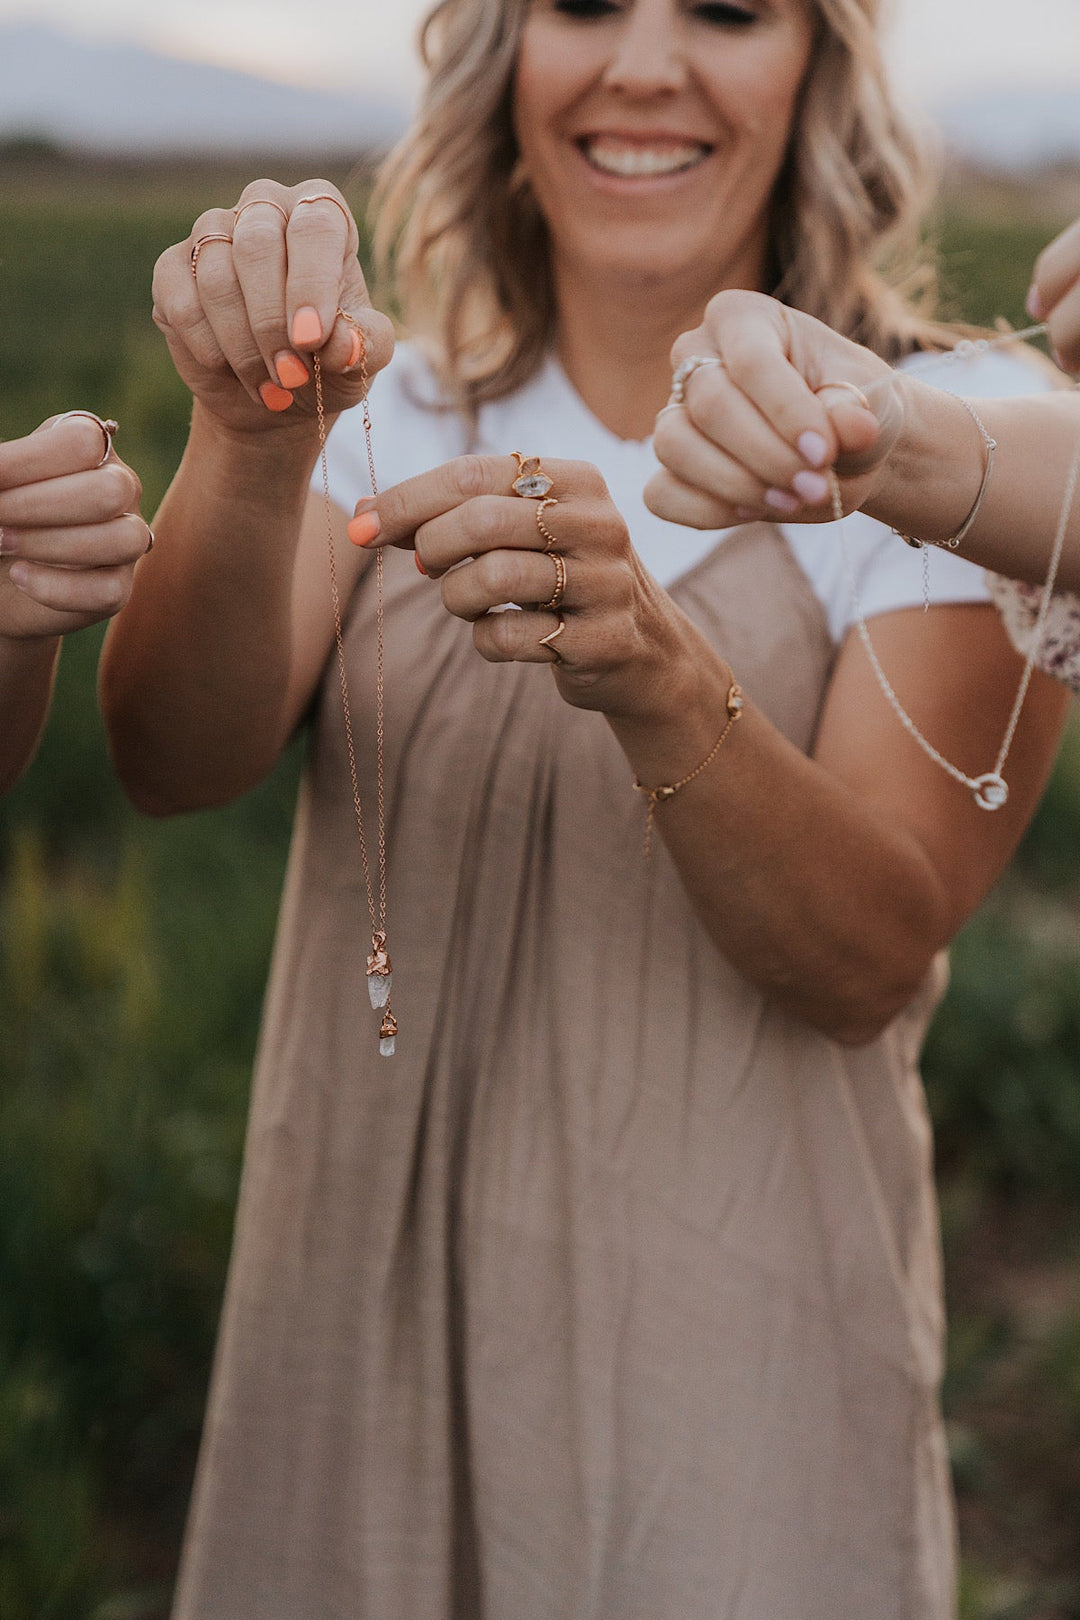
990	790
380	976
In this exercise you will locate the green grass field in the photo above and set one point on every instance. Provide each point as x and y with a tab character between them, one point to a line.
132	962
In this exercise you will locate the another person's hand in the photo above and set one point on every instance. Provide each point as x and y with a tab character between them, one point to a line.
755	431
271	277
70	530
1055	295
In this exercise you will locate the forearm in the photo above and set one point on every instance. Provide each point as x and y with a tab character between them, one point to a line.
195	674
823	905
932	476
27	670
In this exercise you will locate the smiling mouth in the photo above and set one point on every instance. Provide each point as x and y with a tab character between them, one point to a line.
629	161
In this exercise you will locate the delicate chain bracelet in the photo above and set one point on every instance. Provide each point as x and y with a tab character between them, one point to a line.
667	790
990	446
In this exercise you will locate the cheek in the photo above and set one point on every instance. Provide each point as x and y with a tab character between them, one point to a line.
547	80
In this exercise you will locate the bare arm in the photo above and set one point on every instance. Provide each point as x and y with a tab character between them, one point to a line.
829	882
208	673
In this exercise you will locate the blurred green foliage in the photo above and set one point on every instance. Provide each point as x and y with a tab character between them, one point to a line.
132	963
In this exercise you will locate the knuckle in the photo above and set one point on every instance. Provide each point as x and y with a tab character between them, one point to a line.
486	520
469	476
496	573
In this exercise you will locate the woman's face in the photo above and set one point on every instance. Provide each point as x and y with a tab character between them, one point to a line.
653	132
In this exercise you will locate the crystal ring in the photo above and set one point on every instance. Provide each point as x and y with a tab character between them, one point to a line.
532	482
108	429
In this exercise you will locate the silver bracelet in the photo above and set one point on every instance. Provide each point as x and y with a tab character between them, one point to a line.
990	446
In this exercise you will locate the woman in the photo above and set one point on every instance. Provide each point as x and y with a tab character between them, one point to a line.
616	1293
70	536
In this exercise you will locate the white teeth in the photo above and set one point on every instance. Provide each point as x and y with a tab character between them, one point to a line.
641	160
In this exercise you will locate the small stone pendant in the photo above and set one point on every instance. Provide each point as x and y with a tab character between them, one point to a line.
380	974
388	1035
991	791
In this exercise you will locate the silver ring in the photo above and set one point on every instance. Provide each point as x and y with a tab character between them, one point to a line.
149	531
683	372
108	428
849	388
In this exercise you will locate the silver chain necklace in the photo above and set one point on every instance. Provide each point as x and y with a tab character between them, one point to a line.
991	791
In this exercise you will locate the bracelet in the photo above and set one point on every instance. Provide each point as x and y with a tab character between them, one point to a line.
990	446
667	790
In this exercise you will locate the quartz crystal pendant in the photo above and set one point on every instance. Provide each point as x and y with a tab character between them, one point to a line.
991	791
380	974
388	1035
532	484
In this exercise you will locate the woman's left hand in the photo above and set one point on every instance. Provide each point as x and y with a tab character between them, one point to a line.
759	425
624	643
70	530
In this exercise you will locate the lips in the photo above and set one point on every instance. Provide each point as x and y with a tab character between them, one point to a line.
641	157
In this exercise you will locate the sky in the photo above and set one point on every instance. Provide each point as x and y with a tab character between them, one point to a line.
938	47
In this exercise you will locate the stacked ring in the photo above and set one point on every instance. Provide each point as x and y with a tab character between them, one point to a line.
555	601
214	236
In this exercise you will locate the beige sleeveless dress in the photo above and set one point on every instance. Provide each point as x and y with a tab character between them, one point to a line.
616	1294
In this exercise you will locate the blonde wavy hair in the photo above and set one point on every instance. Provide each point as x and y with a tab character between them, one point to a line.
461	239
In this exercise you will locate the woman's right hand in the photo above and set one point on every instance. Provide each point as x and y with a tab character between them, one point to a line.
271	276
1055	295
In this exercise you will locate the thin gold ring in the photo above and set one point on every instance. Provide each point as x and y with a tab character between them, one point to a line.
214	236
850	388
324	196
555	602
545	641
108	428
259	202
550	540
532	482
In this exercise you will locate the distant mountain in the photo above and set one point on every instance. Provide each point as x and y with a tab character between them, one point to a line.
1013	129
121	98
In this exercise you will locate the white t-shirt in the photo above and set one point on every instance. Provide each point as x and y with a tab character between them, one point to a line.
547	417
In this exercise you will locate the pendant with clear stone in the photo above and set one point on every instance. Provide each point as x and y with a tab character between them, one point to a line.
380	974
534	486
388	1035
991	791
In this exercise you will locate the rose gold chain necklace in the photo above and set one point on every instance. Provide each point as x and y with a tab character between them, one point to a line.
380	974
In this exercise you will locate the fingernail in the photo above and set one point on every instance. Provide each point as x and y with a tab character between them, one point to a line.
780	501
306	326
275	398
291	370
419	564
813	448
811	486
365	528
19	574
356	351
1033	304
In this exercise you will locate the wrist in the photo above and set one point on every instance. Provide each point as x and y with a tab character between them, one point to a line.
932	477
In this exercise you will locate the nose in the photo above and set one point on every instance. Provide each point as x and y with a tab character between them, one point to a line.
648	57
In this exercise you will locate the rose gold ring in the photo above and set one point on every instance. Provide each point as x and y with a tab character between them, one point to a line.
683	373
532	482
259	202
108	429
214	236
324	196
545	641
849	388
555	602
550	541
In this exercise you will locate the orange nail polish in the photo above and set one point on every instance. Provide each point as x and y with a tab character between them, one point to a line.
275	398
306	326
419	564
356	351
291	370
365	528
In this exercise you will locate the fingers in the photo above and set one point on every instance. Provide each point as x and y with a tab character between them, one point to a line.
53	449
527	578
90	594
411	506
76	499
514	638
677	502
1065	329
101	545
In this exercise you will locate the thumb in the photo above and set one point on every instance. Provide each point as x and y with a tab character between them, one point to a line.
867	424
